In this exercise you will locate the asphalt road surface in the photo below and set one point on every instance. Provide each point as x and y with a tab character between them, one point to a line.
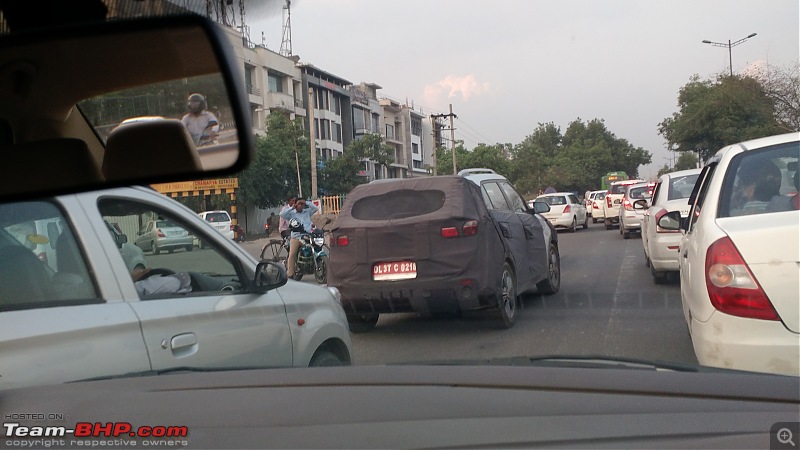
608	306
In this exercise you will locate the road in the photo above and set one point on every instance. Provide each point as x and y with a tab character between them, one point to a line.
608	305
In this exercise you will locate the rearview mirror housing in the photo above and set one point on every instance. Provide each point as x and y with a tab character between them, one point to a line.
66	92
670	221
541	207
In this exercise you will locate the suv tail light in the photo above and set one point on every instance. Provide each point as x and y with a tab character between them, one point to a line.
342	241
567	209
731	286
608	199
594	205
470	228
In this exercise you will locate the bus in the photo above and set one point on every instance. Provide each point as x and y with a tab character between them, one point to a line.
610	177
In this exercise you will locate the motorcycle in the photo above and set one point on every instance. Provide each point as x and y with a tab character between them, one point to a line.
312	257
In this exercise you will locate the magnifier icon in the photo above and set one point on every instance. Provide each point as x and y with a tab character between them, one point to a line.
785	436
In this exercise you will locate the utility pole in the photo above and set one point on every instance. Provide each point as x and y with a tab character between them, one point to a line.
433	140
452	137
313	136
296	157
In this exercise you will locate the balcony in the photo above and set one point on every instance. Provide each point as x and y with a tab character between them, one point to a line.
279	100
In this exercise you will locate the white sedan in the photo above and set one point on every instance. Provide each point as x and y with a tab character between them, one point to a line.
566	211
661	246
740	257
93	316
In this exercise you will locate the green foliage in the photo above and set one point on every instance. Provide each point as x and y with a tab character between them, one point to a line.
665	169
717	113
340	175
687	160
272	175
574	161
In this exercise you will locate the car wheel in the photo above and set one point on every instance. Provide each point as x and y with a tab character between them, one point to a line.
607	223
552	283
325	358
658	277
586	223
574	225
646	260
594	220
362	323
154	248
507	298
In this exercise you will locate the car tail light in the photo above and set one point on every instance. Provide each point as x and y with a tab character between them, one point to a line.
627	205
470	228
42	257
594	206
342	241
731	286
449	232
161	233
567	209
608	199
233	227
661	213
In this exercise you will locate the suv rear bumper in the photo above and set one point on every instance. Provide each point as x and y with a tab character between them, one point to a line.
416	296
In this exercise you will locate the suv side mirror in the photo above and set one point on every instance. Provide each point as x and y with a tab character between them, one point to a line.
541	207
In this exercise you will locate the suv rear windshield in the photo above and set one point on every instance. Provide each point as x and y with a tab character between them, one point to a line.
218	217
398	204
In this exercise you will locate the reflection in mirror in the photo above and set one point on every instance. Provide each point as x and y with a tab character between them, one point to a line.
670	221
270	275
128	101
541	207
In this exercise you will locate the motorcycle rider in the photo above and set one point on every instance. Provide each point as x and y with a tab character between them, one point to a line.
302	212
283	227
203	126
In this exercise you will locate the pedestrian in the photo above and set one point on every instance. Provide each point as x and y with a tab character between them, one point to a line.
284	224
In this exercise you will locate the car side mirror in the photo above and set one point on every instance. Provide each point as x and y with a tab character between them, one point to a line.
671	221
269	275
640	204
121	239
541	207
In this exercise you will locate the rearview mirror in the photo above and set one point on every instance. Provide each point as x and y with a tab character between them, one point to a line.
541	207
269	275
670	221
107	104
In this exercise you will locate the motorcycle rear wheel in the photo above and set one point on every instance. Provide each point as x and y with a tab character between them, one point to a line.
321	272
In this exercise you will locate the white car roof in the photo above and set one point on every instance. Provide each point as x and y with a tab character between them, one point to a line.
681	173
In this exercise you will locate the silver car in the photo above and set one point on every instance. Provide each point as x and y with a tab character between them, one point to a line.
159	235
224	310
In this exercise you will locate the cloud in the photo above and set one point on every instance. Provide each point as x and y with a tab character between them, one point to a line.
452	85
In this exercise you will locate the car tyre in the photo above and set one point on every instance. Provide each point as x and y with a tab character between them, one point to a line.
608	224
362	323
594	220
658	277
646	260
574	226
586	223
507	298
325	358
552	283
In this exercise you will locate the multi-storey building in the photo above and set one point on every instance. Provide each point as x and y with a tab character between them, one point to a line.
332	114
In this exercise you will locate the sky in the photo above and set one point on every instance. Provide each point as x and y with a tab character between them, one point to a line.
508	65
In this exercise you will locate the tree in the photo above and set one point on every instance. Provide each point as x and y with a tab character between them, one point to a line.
782	86
485	156
272	175
340	175
663	170
686	161
717	113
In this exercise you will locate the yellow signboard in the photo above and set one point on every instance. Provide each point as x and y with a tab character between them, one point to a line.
197	185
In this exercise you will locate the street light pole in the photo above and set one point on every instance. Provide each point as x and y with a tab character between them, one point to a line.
729	45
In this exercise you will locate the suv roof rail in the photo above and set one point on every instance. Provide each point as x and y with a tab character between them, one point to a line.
476	171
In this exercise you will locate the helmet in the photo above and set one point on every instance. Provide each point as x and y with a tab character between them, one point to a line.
196	103
295	225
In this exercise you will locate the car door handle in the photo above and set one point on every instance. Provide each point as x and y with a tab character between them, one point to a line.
182	341
685	254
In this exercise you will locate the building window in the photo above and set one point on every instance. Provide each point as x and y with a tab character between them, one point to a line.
389	131
415	148
337	132
275	82
376	123
337	104
417	164
359	120
416	127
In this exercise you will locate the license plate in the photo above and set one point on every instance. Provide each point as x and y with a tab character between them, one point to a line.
395	270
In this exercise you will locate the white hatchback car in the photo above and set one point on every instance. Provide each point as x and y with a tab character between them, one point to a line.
599	207
630	218
740	257
220	220
566	211
213	308
671	193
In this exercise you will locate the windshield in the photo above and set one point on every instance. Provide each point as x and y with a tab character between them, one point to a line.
364	128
